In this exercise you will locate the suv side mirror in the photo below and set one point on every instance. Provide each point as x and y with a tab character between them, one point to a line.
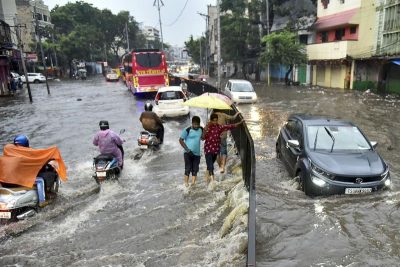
374	144
293	144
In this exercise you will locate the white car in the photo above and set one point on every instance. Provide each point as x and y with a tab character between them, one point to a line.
168	102
34	78
112	76
240	91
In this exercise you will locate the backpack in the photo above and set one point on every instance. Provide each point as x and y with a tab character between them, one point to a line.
190	127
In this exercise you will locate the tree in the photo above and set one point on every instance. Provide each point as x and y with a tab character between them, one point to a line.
86	33
193	48
283	47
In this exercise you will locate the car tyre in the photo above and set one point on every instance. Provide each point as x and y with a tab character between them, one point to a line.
36	81
278	149
305	184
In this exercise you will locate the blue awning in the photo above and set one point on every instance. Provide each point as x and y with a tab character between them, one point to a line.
397	62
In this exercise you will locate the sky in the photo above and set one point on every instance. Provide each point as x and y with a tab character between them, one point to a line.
179	18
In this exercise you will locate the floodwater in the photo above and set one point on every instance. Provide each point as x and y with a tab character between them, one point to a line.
295	230
147	218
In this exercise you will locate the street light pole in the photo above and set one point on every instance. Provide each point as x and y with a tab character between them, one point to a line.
20	49
159	17
218	47
268	66
41	49
206	52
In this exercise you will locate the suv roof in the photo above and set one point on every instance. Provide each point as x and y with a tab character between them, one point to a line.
238	81
307	119
169	88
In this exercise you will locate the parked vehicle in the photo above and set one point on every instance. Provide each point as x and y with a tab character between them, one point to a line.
147	140
240	91
330	156
168	102
18	202
112	75
34	77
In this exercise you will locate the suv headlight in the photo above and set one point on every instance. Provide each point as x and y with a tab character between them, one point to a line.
320	172
385	174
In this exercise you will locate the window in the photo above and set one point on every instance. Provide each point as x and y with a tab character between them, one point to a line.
339	33
44	17
353	29
324	37
303	38
294	128
148	60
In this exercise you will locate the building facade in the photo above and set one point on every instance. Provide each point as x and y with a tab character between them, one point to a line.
344	34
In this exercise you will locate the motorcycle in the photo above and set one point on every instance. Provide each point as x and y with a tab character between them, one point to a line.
106	166
148	140
19	202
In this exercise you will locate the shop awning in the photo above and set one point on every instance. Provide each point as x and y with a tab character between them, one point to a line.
335	20
397	62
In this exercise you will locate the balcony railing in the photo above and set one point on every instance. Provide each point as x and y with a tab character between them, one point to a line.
329	51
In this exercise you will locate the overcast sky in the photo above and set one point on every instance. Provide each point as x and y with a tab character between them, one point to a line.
180	18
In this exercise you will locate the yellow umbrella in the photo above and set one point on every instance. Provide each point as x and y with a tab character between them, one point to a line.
208	101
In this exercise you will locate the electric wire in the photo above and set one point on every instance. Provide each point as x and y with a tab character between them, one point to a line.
180	14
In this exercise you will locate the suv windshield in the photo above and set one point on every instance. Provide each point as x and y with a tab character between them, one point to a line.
334	138
242	87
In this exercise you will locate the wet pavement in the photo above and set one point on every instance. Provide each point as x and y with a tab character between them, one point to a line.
147	218
295	230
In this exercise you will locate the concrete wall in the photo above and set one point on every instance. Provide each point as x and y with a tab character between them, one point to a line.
335	7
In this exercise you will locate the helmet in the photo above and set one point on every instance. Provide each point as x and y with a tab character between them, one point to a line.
148	106
104	125
21	140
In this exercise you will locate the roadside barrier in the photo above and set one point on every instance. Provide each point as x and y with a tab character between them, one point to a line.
245	147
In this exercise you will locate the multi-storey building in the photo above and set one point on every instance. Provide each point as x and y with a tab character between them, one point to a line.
357	45
30	13
388	45
345	33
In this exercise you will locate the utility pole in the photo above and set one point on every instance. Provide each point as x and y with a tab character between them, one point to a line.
41	48
206	18
268	66
159	17
218	48
127	36
20	48
201	60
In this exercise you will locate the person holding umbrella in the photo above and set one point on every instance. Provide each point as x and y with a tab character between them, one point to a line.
212	136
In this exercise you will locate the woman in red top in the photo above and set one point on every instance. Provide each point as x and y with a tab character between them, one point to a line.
212	136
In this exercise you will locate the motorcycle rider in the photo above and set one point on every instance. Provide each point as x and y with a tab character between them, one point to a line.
22	140
109	142
151	122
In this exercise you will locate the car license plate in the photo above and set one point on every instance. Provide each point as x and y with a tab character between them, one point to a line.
357	190
144	146
5	215
101	174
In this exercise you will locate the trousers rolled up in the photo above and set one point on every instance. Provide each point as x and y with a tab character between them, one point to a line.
210	160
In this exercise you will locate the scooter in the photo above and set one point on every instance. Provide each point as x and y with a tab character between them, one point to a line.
105	168
18	202
148	140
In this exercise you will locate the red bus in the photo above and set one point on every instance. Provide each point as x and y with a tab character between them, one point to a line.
145	70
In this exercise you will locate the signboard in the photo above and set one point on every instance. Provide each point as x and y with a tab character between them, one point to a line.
32	57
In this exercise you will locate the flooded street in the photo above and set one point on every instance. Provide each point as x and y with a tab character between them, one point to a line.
295	230
147	218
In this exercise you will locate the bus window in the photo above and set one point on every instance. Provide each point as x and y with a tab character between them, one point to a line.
149	60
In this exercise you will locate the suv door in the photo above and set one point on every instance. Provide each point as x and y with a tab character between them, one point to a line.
291	131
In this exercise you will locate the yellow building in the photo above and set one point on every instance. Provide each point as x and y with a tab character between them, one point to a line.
345	33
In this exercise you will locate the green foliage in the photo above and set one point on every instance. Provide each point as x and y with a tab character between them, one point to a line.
283	47
86	33
193	48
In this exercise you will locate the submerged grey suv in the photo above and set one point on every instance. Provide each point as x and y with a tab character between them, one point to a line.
330	156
